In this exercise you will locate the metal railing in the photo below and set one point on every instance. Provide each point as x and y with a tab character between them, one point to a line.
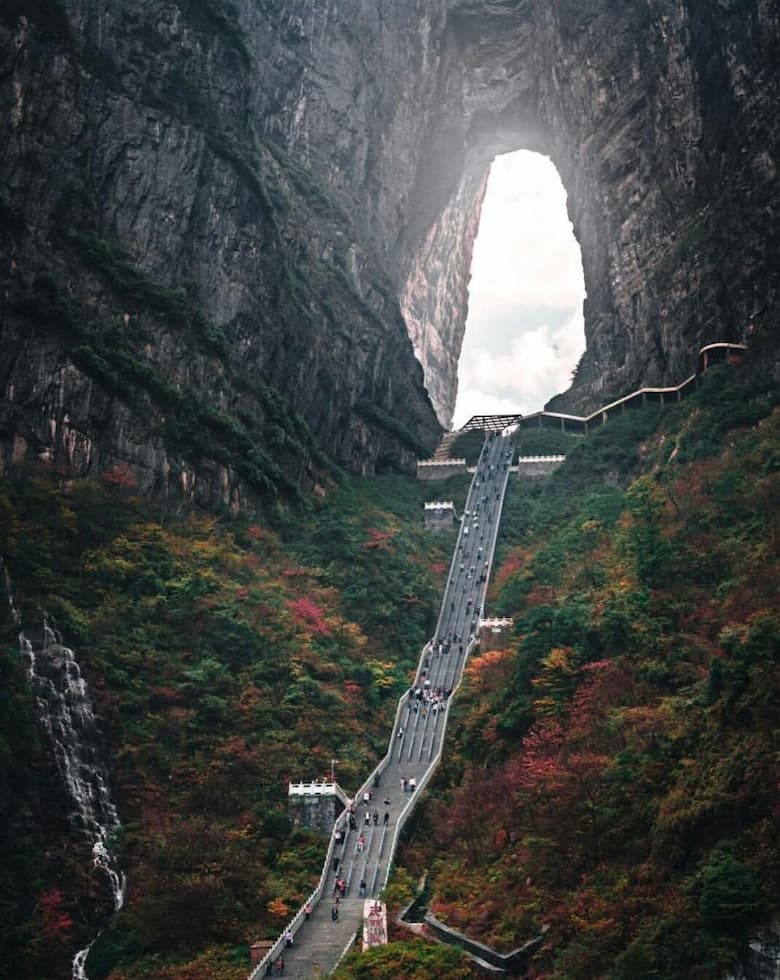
722	351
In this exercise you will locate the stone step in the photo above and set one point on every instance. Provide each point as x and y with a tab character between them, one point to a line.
443	449
320	942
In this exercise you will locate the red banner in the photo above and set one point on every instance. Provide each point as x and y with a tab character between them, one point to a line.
374	923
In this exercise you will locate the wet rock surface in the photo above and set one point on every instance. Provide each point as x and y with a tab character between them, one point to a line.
205	204
762	959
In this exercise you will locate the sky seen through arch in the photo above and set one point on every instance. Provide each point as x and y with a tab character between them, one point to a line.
524	332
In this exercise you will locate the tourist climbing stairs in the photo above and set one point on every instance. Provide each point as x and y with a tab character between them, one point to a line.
366	835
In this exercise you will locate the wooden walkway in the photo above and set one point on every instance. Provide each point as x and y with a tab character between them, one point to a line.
416	741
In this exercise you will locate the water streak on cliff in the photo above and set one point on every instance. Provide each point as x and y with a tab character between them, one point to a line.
761	961
66	714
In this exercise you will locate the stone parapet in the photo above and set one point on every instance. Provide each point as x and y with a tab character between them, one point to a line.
495	633
538	466
439	515
514	962
439	469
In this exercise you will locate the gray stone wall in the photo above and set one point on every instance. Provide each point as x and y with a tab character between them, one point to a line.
315	812
440	471
537	467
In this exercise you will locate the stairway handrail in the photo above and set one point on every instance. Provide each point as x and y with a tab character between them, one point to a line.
315	897
520	420
292	926
434	763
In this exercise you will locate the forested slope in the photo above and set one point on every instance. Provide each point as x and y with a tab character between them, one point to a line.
224	658
612	774
614	778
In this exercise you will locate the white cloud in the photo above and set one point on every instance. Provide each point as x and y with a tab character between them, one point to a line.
524	332
537	364
473	401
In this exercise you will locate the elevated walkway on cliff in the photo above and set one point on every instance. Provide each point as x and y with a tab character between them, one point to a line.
708	356
415	747
418	733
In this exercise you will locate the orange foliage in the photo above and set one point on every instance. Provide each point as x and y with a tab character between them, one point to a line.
491	669
278	909
379	540
509	568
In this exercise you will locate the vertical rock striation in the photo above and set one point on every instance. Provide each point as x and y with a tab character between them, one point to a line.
178	251
659	117
209	204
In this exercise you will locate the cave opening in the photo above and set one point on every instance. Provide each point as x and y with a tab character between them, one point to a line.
524	332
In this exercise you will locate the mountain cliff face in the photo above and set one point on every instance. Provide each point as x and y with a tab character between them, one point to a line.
659	117
209	204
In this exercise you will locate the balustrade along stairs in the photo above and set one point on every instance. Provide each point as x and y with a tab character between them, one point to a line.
365	853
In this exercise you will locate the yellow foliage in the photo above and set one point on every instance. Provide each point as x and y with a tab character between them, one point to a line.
383	672
278	908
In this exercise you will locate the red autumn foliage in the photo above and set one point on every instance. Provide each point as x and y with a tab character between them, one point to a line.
539	763
507	570
379	540
54	919
121	475
353	692
166	693
309	615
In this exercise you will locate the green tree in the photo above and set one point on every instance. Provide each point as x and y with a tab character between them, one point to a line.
730	894
412	961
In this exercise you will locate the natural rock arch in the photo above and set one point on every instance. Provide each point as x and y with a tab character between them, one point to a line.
298	169
650	114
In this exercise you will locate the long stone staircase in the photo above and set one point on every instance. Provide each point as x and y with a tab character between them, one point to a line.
362	855
417	738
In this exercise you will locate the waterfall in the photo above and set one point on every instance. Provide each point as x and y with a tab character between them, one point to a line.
761	961
65	712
